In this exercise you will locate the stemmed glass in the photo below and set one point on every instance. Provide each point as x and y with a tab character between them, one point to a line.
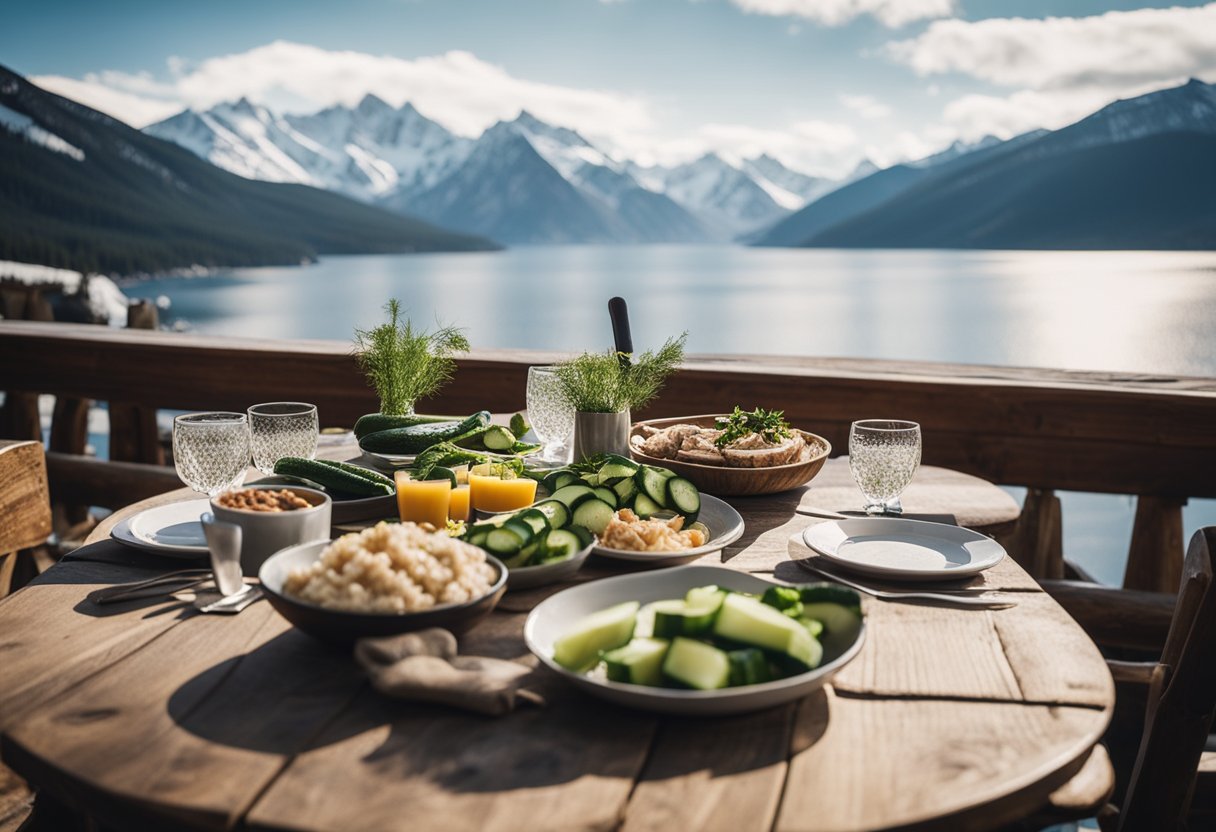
550	412
883	456
211	450
280	429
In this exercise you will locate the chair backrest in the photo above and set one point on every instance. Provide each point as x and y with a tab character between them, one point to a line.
25	503
1181	701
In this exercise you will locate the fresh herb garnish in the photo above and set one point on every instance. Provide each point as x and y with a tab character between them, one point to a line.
598	382
767	423
405	365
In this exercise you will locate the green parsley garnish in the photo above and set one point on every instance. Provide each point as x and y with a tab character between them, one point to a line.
767	423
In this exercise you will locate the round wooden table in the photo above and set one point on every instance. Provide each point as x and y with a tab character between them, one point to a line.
148	711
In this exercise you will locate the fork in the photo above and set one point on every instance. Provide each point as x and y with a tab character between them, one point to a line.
884	595
160	585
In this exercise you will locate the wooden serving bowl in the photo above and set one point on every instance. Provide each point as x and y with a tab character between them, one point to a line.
735	482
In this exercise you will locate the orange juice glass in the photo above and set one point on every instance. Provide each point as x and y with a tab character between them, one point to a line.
497	495
458	508
423	501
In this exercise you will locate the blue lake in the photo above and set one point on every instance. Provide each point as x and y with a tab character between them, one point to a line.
1147	312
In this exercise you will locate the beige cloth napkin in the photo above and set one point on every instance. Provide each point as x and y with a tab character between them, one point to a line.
425	667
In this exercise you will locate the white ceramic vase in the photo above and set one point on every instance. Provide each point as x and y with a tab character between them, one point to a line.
601	433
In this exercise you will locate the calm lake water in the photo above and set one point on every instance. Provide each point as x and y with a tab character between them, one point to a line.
1132	311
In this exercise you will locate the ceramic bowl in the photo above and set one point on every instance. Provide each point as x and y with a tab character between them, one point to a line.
554	616
735	482
265	532
343	627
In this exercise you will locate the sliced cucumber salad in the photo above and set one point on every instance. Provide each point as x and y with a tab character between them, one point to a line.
534	536
714	638
598	488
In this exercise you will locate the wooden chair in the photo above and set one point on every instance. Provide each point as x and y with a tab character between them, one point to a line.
1179	691
25	506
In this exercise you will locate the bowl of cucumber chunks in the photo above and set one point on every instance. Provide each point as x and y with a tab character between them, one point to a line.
698	640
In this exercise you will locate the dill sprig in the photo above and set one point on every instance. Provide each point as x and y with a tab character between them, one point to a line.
768	423
404	364
596	382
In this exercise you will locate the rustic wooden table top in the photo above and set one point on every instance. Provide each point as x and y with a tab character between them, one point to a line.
148	711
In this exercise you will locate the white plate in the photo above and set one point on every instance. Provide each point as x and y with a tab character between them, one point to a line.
904	550
556	615
725	527
173	530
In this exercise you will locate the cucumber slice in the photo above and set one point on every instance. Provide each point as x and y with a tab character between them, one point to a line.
697	665
640	662
593	515
503	542
644	507
498	438
748	667
785	598
749	621
705	597
585	538
562	544
607	495
625	491
537	520
841	624
569	494
557	512
580	648
829	593
653	484
683	496
679	618
614	470
522	530
565	478
617	459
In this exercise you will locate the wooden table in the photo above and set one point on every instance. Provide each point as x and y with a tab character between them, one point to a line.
148	711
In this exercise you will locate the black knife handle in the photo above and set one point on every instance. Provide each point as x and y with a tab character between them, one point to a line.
621	336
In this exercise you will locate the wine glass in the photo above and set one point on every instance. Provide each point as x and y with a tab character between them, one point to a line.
550	412
279	429
883	456
211	450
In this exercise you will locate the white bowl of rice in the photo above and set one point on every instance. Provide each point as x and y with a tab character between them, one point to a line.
387	579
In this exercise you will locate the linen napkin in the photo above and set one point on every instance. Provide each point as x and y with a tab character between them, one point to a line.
424	666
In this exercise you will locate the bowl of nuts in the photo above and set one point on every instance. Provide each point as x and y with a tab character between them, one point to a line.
273	518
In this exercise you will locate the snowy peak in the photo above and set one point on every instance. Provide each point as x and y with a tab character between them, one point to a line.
1187	108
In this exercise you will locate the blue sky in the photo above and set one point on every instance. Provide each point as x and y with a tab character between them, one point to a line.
819	83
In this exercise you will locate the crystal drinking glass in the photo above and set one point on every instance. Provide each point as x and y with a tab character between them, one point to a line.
883	456
280	429
211	450
550	412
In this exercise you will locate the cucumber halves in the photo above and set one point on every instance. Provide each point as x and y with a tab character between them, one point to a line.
417	438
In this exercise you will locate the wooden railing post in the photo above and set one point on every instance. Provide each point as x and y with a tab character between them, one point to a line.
134	436
1154	559
1038	542
19	417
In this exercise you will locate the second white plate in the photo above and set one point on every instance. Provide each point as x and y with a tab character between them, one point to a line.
904	550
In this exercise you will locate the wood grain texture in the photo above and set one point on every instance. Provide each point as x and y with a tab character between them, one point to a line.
1154	558
1115	617
25	503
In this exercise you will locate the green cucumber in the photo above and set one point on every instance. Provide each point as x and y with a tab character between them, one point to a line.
570	494
613	470
519	426
640	662
417	438
376	422
696	664
841	624
653	484
498	438
580	648
538	520
705	597
625	490
504	542
644	507
749	621
829	593
785	598
593	514
562	544
748	667
557	512
679	618
683	496
607	495
559	479
336	476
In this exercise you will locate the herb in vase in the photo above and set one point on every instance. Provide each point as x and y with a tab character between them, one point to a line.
598	382
404	364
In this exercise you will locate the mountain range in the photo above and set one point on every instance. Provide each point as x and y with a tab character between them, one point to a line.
522	181
81	190
1137	174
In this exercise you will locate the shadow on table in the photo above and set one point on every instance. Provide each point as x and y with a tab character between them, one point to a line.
292	696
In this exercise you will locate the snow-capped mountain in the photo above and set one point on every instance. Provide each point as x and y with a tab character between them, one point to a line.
398	158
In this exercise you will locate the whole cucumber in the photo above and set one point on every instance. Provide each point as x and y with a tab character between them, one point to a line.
417	438
357	482
376	422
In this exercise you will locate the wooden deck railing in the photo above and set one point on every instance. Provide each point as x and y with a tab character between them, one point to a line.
1048	430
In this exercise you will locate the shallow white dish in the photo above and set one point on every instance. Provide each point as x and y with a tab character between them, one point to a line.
528	577
904	550
556	615
725	527
173	530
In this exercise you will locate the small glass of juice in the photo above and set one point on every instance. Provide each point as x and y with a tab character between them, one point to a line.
458	507
423	501
496	495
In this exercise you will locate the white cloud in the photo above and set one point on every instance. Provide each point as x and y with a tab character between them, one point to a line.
866	106
1108	50
839	12
457	88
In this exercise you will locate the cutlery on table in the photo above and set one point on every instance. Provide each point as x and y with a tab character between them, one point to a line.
935	597
166	584
230	604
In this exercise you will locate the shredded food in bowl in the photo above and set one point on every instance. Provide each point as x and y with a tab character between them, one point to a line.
631	533
393	568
